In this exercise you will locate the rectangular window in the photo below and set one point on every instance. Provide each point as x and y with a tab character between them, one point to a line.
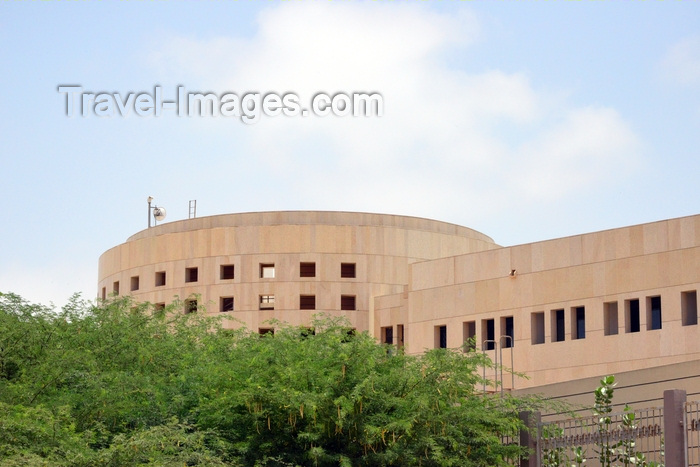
115	288
307	269
653	313
441	337
469	335
388	335
160	278
488	334
191	274
399	335
226	304
689	308
104	293
267	302
347	270
266	331
190	306
610	318
348	302
307	302
507	337
537	328
159	306
558	326
134	283
578	322
632	315
227	272
267	271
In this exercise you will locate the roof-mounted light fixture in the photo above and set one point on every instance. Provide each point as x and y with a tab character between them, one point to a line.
158	213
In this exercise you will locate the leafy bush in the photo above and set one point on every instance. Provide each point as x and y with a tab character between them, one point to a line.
120	383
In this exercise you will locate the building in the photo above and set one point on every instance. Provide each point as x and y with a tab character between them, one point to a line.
621	301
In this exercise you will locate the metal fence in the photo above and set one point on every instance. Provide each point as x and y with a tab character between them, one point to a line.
667	436
692	432
636	435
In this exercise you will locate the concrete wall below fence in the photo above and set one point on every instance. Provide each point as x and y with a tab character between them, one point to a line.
639	388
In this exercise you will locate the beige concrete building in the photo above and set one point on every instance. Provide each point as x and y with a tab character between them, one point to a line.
281	265
621	301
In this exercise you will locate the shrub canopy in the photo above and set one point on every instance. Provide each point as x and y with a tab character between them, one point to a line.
120	383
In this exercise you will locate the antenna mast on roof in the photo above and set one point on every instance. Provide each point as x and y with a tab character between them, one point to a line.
158	213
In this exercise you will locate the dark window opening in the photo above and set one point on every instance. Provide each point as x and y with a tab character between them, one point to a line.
399	335
191	274
347	302
632	323
134	283
558	326
160	278
307	269
190	306
347	270
115	288
441	337
488	332
507	337
159	306
227	271
388	335
104	293
226	304
654	313
578	321
307	302
266	331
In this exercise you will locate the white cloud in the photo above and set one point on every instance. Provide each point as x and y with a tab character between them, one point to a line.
449	139
681	63
590	144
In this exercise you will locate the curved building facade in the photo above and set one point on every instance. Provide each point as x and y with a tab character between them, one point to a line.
280	265
621	301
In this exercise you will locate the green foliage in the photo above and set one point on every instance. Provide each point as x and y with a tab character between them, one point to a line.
171	444
603	408
125	384
622	451
609	452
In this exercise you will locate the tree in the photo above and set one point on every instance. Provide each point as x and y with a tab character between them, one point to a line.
122	383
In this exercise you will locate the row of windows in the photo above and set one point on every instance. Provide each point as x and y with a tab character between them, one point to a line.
632	317
488	334
387	335
306	331
577	320
227	272
267	302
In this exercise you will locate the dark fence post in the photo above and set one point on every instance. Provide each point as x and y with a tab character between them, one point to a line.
676	451
528	437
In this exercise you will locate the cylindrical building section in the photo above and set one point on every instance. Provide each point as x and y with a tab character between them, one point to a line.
287	266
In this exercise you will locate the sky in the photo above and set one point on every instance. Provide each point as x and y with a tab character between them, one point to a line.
524	120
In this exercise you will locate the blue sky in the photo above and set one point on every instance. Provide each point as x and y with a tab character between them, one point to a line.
523	120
